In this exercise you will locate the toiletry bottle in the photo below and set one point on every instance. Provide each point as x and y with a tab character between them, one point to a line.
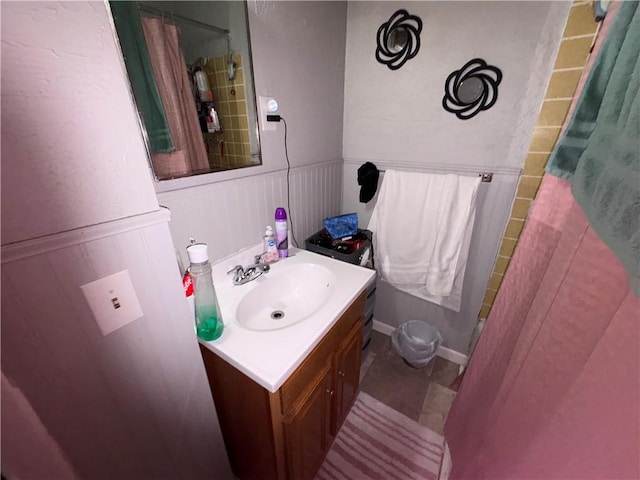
209	324
203	86
269	248
214	118
211	128
282	241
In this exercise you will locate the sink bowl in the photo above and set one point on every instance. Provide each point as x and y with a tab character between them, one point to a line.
285	296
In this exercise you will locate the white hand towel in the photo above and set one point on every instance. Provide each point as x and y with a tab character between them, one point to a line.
422	226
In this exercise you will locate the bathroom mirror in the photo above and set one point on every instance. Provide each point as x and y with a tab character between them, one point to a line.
190	70
398	40
470	90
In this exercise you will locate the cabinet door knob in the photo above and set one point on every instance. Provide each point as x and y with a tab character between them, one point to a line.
330	392
342	374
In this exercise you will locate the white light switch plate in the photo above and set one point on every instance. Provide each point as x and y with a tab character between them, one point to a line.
113	301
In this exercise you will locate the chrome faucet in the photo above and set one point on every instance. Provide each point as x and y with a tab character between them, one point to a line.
242	275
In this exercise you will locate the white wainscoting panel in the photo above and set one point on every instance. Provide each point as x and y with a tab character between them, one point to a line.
232	215
494	205
131	404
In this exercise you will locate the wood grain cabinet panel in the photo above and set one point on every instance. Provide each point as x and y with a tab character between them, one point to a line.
307	431
286	435
295	384
347	375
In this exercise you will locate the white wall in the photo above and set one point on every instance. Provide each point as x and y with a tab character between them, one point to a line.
71	149
134	403
396	120
398	115
78	204
298	57
230	216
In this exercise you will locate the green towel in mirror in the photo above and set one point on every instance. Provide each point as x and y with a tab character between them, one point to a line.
134	49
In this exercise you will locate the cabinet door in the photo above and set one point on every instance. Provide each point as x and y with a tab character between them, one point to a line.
307	430
347	374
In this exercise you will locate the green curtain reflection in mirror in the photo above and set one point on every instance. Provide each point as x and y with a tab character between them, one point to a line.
127	20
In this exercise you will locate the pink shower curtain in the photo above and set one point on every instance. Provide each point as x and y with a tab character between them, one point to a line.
553	388
170	73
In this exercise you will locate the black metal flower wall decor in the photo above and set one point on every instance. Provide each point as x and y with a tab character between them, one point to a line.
398	39
471	89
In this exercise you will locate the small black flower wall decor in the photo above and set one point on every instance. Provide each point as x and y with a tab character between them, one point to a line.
471	89
398	39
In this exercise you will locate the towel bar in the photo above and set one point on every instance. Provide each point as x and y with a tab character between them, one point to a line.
484	177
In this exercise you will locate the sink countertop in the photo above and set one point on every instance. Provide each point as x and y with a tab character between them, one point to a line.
270	357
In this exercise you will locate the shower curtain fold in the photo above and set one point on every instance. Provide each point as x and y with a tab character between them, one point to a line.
171	76
552	390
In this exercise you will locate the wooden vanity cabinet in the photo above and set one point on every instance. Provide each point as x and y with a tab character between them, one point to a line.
307	430
347	375
286	434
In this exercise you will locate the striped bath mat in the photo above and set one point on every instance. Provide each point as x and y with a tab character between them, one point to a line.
376	442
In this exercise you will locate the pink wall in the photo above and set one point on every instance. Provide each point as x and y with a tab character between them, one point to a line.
134	403
22	431
71	146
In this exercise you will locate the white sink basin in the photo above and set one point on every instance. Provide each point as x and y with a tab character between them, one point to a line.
269	351
286	296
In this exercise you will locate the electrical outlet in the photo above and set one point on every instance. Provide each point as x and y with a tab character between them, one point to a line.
264	111
113	301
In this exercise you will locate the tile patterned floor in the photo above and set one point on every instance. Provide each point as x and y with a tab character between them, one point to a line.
421	394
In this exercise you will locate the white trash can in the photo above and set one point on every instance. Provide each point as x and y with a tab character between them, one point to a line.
416	341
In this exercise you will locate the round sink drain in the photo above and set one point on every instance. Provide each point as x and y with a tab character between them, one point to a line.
277	315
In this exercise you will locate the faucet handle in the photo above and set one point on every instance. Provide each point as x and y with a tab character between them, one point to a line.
258	258
236	269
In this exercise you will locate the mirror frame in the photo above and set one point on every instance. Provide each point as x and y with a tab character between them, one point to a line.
490	77
388	52
204	178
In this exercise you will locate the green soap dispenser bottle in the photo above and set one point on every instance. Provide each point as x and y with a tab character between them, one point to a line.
209	324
